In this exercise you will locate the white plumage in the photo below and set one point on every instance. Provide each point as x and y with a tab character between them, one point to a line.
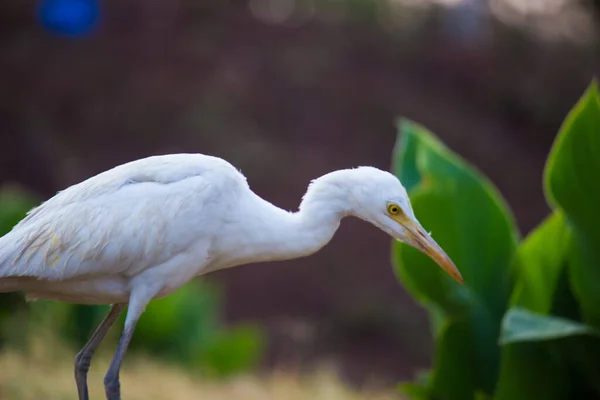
105	231
143	229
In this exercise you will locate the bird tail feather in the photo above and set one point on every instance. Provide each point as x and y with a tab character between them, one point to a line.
7	252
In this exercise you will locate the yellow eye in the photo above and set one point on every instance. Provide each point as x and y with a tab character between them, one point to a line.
393	209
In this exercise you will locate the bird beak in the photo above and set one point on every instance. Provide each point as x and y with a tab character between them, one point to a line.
419	239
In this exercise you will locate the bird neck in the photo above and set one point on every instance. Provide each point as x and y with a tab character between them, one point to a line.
269	233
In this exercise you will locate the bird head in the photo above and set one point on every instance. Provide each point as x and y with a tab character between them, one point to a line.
378	197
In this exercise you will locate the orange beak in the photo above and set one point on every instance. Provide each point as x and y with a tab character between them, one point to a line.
421	240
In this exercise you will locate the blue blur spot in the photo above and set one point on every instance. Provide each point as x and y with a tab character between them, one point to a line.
69	17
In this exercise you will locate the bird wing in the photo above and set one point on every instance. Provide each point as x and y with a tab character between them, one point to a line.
121	221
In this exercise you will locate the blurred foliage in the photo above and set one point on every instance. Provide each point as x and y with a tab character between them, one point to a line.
14	204
526	322
184	327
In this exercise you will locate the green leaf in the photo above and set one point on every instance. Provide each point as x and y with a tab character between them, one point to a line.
540	260
405	157
457	373
582	355
521	325
540	267
470	220
467	217
540	348
482	396
572	179
529	371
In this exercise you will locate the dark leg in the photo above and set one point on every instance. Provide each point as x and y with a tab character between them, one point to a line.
112	385
137	305
84	358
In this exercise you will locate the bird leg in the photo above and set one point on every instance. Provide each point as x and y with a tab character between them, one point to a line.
112	386
84	357
137	305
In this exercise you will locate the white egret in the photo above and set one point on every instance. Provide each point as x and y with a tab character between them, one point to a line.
141	230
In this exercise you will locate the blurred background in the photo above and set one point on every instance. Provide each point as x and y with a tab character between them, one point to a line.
286	90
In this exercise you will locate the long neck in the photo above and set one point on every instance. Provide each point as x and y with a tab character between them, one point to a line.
265	232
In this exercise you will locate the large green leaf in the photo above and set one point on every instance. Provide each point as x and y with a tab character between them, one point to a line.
572	182
521	325
469	219
530	371
541	258
540	270
404	161
535	365
457	373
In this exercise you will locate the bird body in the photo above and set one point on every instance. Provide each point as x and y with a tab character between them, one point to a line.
89	242
141	230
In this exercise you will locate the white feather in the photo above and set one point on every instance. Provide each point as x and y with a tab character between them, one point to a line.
173	217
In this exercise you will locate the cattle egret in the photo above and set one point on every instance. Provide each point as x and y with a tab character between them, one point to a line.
141	230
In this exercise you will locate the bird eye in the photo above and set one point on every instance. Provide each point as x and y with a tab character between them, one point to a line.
393	209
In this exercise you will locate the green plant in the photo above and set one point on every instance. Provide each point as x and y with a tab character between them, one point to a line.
526	323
